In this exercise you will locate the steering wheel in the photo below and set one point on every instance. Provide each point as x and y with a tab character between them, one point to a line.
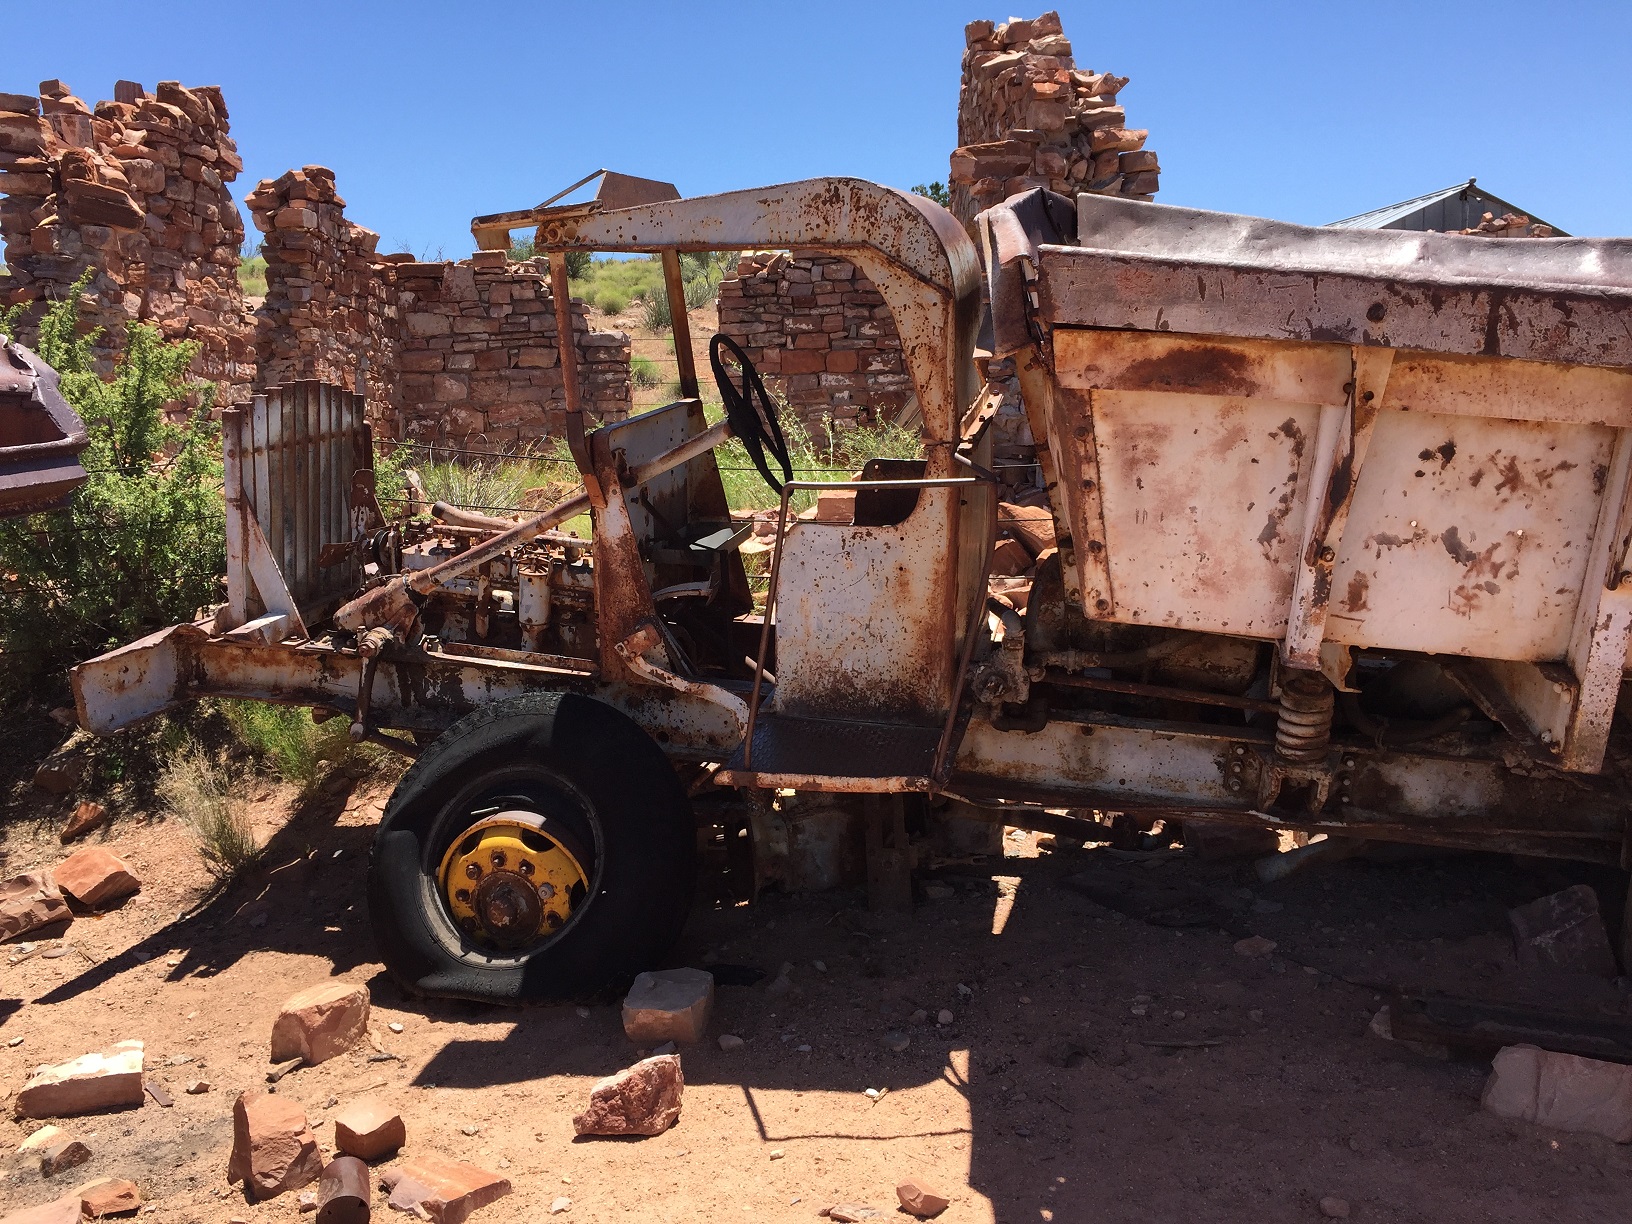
751	411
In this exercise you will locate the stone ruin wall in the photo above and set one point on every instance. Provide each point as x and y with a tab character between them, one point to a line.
450	351
1028	117
134	191
480	356
330	311
819	333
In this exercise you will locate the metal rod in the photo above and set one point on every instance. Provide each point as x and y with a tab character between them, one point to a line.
967	653
566	344
680	323
1132	689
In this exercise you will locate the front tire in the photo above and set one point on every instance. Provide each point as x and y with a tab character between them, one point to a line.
541	851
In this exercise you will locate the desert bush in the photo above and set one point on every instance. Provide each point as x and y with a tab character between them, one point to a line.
252	276
609	300
286	738
644	372
142	545
198	789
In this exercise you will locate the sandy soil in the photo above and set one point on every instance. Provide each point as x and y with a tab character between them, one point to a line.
1097	1067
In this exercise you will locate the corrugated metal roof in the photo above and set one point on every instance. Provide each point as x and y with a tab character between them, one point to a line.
1393	214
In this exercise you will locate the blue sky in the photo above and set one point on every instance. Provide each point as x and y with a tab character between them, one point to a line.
430	113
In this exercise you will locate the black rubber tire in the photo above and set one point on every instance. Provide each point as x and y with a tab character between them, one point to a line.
600	772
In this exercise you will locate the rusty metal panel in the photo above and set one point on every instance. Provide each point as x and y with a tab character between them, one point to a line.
866	616
1203	504
1469	536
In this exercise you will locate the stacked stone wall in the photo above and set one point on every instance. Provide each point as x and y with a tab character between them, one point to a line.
331	307
480	356
820	334
1029	117
133	191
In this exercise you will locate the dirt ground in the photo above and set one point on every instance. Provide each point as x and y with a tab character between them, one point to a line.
1098	1067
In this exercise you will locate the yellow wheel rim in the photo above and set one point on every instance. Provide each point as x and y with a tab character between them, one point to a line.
509	884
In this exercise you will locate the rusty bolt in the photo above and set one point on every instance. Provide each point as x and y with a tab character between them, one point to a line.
525	867
1236	767
473	870
1328	554
1082	431
1088	483
1069	558
1377	312
1094	546
1240	750
499	859
1102	604
1235	784
1348	762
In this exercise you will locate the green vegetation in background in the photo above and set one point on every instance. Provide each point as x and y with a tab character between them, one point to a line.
143	543
935	191
252	276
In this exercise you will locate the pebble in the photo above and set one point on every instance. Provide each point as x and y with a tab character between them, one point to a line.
730	1041
583	1013
964	991
560	1205
777	1154
944	1016
896	1040
1334	1208
819	966
1139	1009
470	1130
307	1201
395	1026
1178	1015
15	1041
1255	945
668	1047
919	1016
1025	998
801	1049
1256	1016
198	1087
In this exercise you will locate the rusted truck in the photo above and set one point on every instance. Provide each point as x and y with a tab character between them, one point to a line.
1342	526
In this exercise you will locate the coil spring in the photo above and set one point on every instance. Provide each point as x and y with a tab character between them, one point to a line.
1303	728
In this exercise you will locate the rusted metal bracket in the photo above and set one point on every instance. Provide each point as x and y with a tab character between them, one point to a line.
647	640
1341	442
1603	620
680	323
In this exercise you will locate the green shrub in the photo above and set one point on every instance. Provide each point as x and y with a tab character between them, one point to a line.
142	545
286	738
644	372
252	276
609	300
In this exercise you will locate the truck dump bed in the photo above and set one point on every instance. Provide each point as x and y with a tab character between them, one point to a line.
1338	440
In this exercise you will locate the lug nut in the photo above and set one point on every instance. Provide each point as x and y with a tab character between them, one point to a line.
473	870
525	867
498	859
462	896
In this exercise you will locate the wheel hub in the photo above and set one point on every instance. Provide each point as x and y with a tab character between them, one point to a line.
508	883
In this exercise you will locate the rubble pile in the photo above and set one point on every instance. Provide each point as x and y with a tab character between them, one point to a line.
1509	225
330	311
1029	117
819	333
134	191
480	355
